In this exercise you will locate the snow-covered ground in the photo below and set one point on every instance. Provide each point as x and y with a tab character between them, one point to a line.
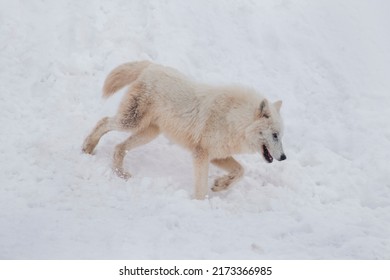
328	60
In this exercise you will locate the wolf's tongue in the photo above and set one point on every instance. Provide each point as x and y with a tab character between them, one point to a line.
267	155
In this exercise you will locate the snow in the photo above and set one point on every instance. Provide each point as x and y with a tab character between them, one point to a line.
329	62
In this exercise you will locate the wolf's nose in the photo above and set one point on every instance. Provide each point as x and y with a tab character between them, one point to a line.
283	157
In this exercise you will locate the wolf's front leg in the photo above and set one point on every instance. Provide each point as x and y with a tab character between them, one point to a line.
235	173
201	170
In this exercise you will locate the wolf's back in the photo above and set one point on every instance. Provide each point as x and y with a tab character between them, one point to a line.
123	75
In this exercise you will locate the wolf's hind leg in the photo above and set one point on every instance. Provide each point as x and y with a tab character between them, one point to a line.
138	139
234	169
102	127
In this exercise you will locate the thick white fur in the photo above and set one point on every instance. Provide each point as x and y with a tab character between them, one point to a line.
212	122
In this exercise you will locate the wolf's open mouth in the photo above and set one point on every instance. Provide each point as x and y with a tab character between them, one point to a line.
267	155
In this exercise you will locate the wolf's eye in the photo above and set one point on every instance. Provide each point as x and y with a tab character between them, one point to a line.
275	136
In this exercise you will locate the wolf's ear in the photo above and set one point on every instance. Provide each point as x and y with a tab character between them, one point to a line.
278	104
264	109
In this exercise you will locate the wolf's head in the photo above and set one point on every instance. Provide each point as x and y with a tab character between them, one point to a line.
265	134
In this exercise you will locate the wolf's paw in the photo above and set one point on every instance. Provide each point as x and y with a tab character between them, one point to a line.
200	196
88	147
122	174
222	183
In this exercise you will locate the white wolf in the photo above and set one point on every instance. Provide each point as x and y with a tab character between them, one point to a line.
212	122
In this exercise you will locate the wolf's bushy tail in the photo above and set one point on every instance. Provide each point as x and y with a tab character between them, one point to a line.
123	75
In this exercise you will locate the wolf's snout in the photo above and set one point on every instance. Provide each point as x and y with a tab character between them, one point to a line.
283	157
